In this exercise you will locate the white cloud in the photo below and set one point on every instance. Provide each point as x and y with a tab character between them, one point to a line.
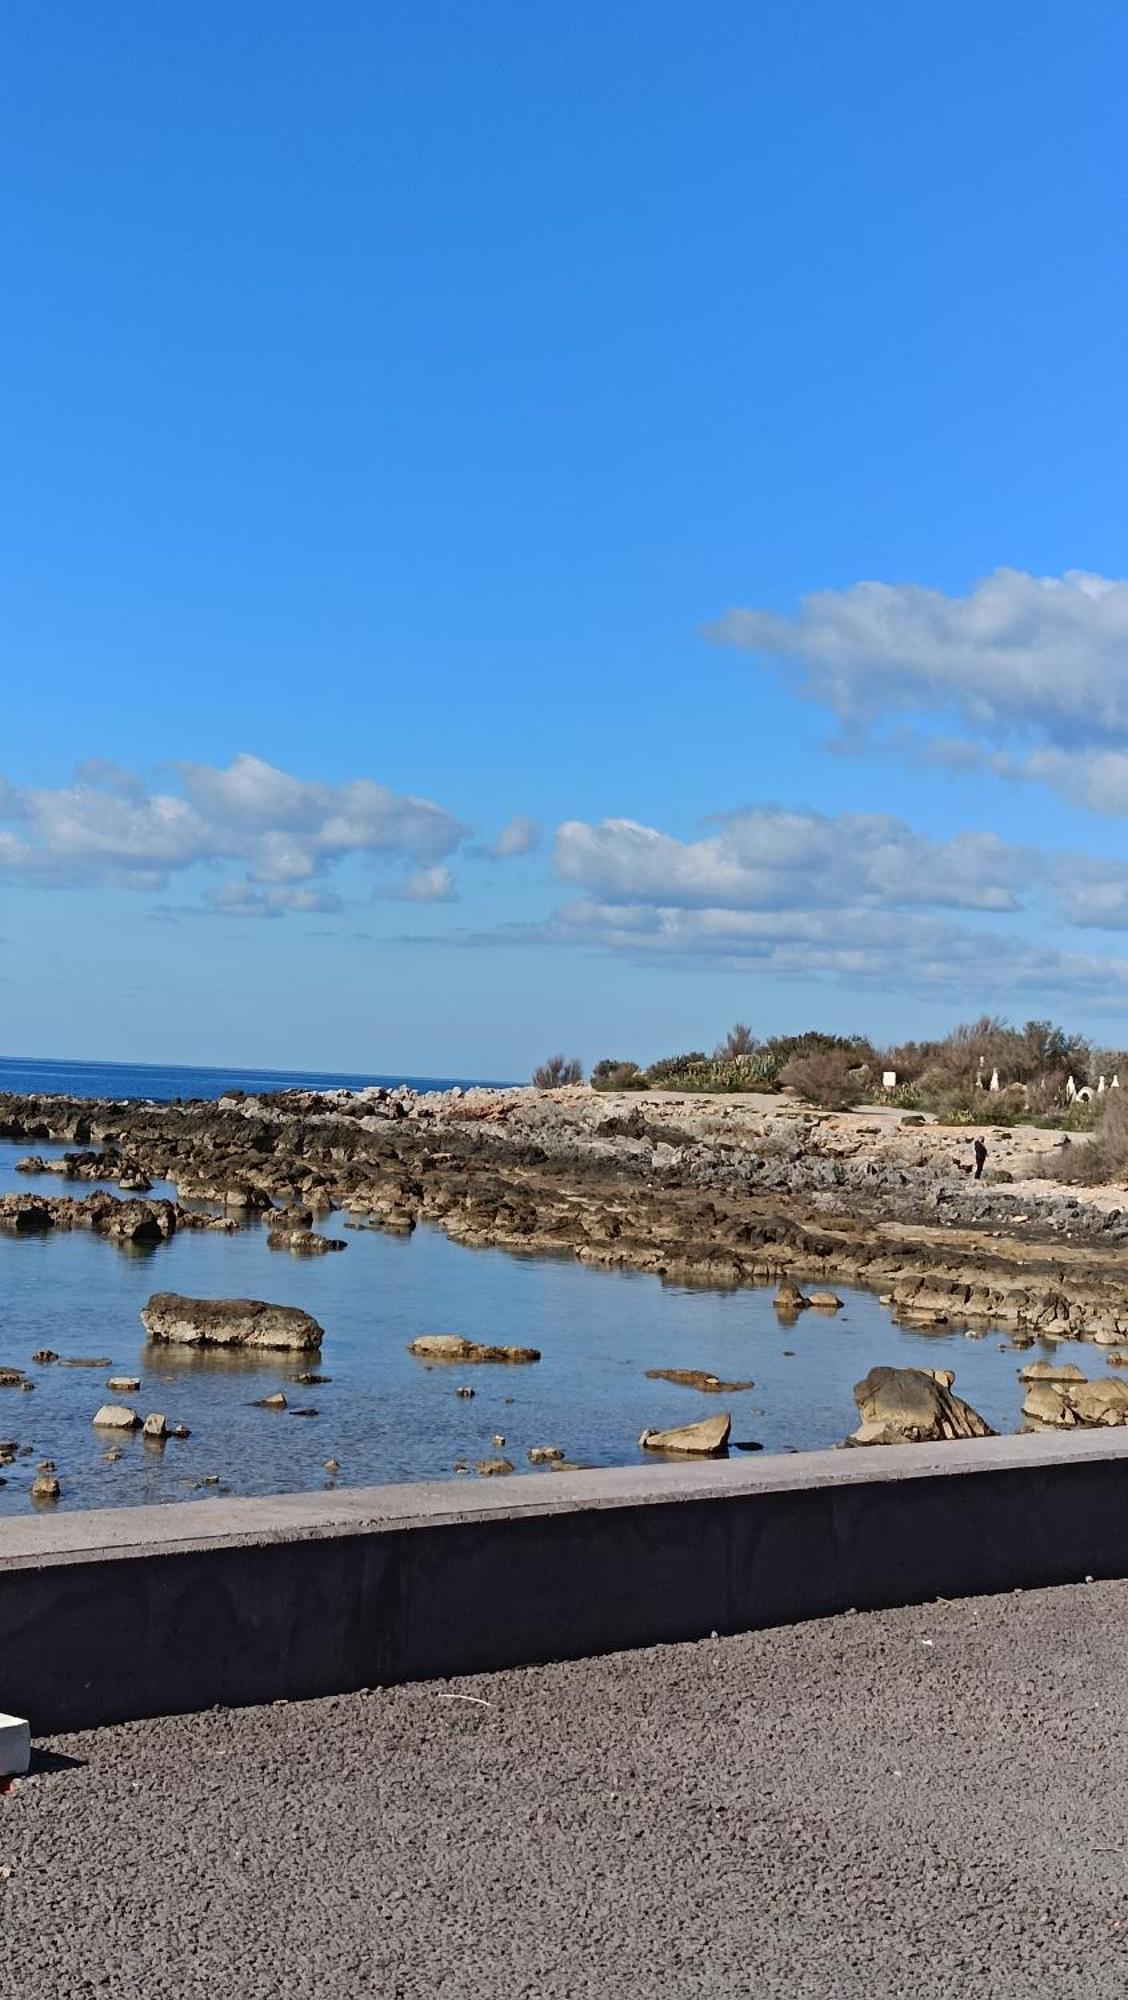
900	952
423	885
283	830
522	835
769	858
1044	654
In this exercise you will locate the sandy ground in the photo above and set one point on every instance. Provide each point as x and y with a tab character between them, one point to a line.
922	1802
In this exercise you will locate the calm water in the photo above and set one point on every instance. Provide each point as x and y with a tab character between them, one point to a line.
384	1415
168	1080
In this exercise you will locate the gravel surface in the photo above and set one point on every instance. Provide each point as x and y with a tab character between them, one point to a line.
912	1802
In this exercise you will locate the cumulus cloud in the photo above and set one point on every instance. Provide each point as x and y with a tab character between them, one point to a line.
283	830
1039	653
768	858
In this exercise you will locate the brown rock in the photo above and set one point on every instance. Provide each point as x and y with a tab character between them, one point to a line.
703	1440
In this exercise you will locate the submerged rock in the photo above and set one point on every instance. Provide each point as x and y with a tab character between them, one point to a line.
703	1440
913	1406
228	1323
697	1378
303	1242
454	1347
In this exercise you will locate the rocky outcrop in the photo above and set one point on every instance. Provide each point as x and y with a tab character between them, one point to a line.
453	1347
1067	1401
913	1406
704	1440
254	1323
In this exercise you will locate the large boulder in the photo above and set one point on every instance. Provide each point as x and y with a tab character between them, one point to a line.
913	1406
703	1440
455	1347
228	1323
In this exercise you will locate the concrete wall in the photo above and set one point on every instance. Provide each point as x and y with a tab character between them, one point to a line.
155	1610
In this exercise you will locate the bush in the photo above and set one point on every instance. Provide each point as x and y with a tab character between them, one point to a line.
556	1071
1100	1160
610	1074
740	1041
825	1077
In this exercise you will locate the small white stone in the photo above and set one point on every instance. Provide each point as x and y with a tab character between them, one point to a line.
15	1746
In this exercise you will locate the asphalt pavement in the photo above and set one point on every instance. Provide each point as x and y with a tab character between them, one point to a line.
921	1802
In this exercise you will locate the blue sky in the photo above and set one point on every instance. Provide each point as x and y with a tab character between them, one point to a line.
504	408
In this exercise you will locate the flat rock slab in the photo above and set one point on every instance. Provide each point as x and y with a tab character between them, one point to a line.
692	1440
454	1347
229	1323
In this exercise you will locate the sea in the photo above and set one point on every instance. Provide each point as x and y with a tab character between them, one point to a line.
165	1082
378	1415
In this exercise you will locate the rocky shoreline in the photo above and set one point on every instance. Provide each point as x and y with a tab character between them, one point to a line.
704	1191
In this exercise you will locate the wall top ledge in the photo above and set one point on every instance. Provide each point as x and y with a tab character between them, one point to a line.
178	1528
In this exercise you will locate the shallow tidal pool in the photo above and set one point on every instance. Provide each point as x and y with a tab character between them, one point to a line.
385	1416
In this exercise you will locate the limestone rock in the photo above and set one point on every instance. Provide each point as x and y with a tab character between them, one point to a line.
789	1298
697	1378
154	1425
117	1417
825	1301
303	1242
545	1454
454	1347
493	1468
1072	1401
913	1406
228	1323
1051	1371
46	1487
124	1385
703	1440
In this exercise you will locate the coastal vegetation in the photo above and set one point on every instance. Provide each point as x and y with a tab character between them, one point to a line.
985	1067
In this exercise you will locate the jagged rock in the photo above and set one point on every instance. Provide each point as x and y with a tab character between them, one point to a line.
454	1347
12	1378
44	1356
493	1468
154	1425
913	1406
789	1298
304	1242
117	1417
46	1487
545	1454
703	1440
1067	1403
696	1378
275	1402
228	1323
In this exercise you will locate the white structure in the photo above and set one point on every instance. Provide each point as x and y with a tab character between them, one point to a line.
889	1079
994	1079
1101	1087
15	1746
1070	1089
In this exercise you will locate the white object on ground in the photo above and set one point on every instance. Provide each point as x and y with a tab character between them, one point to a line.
15	1746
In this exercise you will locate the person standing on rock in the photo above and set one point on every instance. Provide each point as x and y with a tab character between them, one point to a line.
980	1150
